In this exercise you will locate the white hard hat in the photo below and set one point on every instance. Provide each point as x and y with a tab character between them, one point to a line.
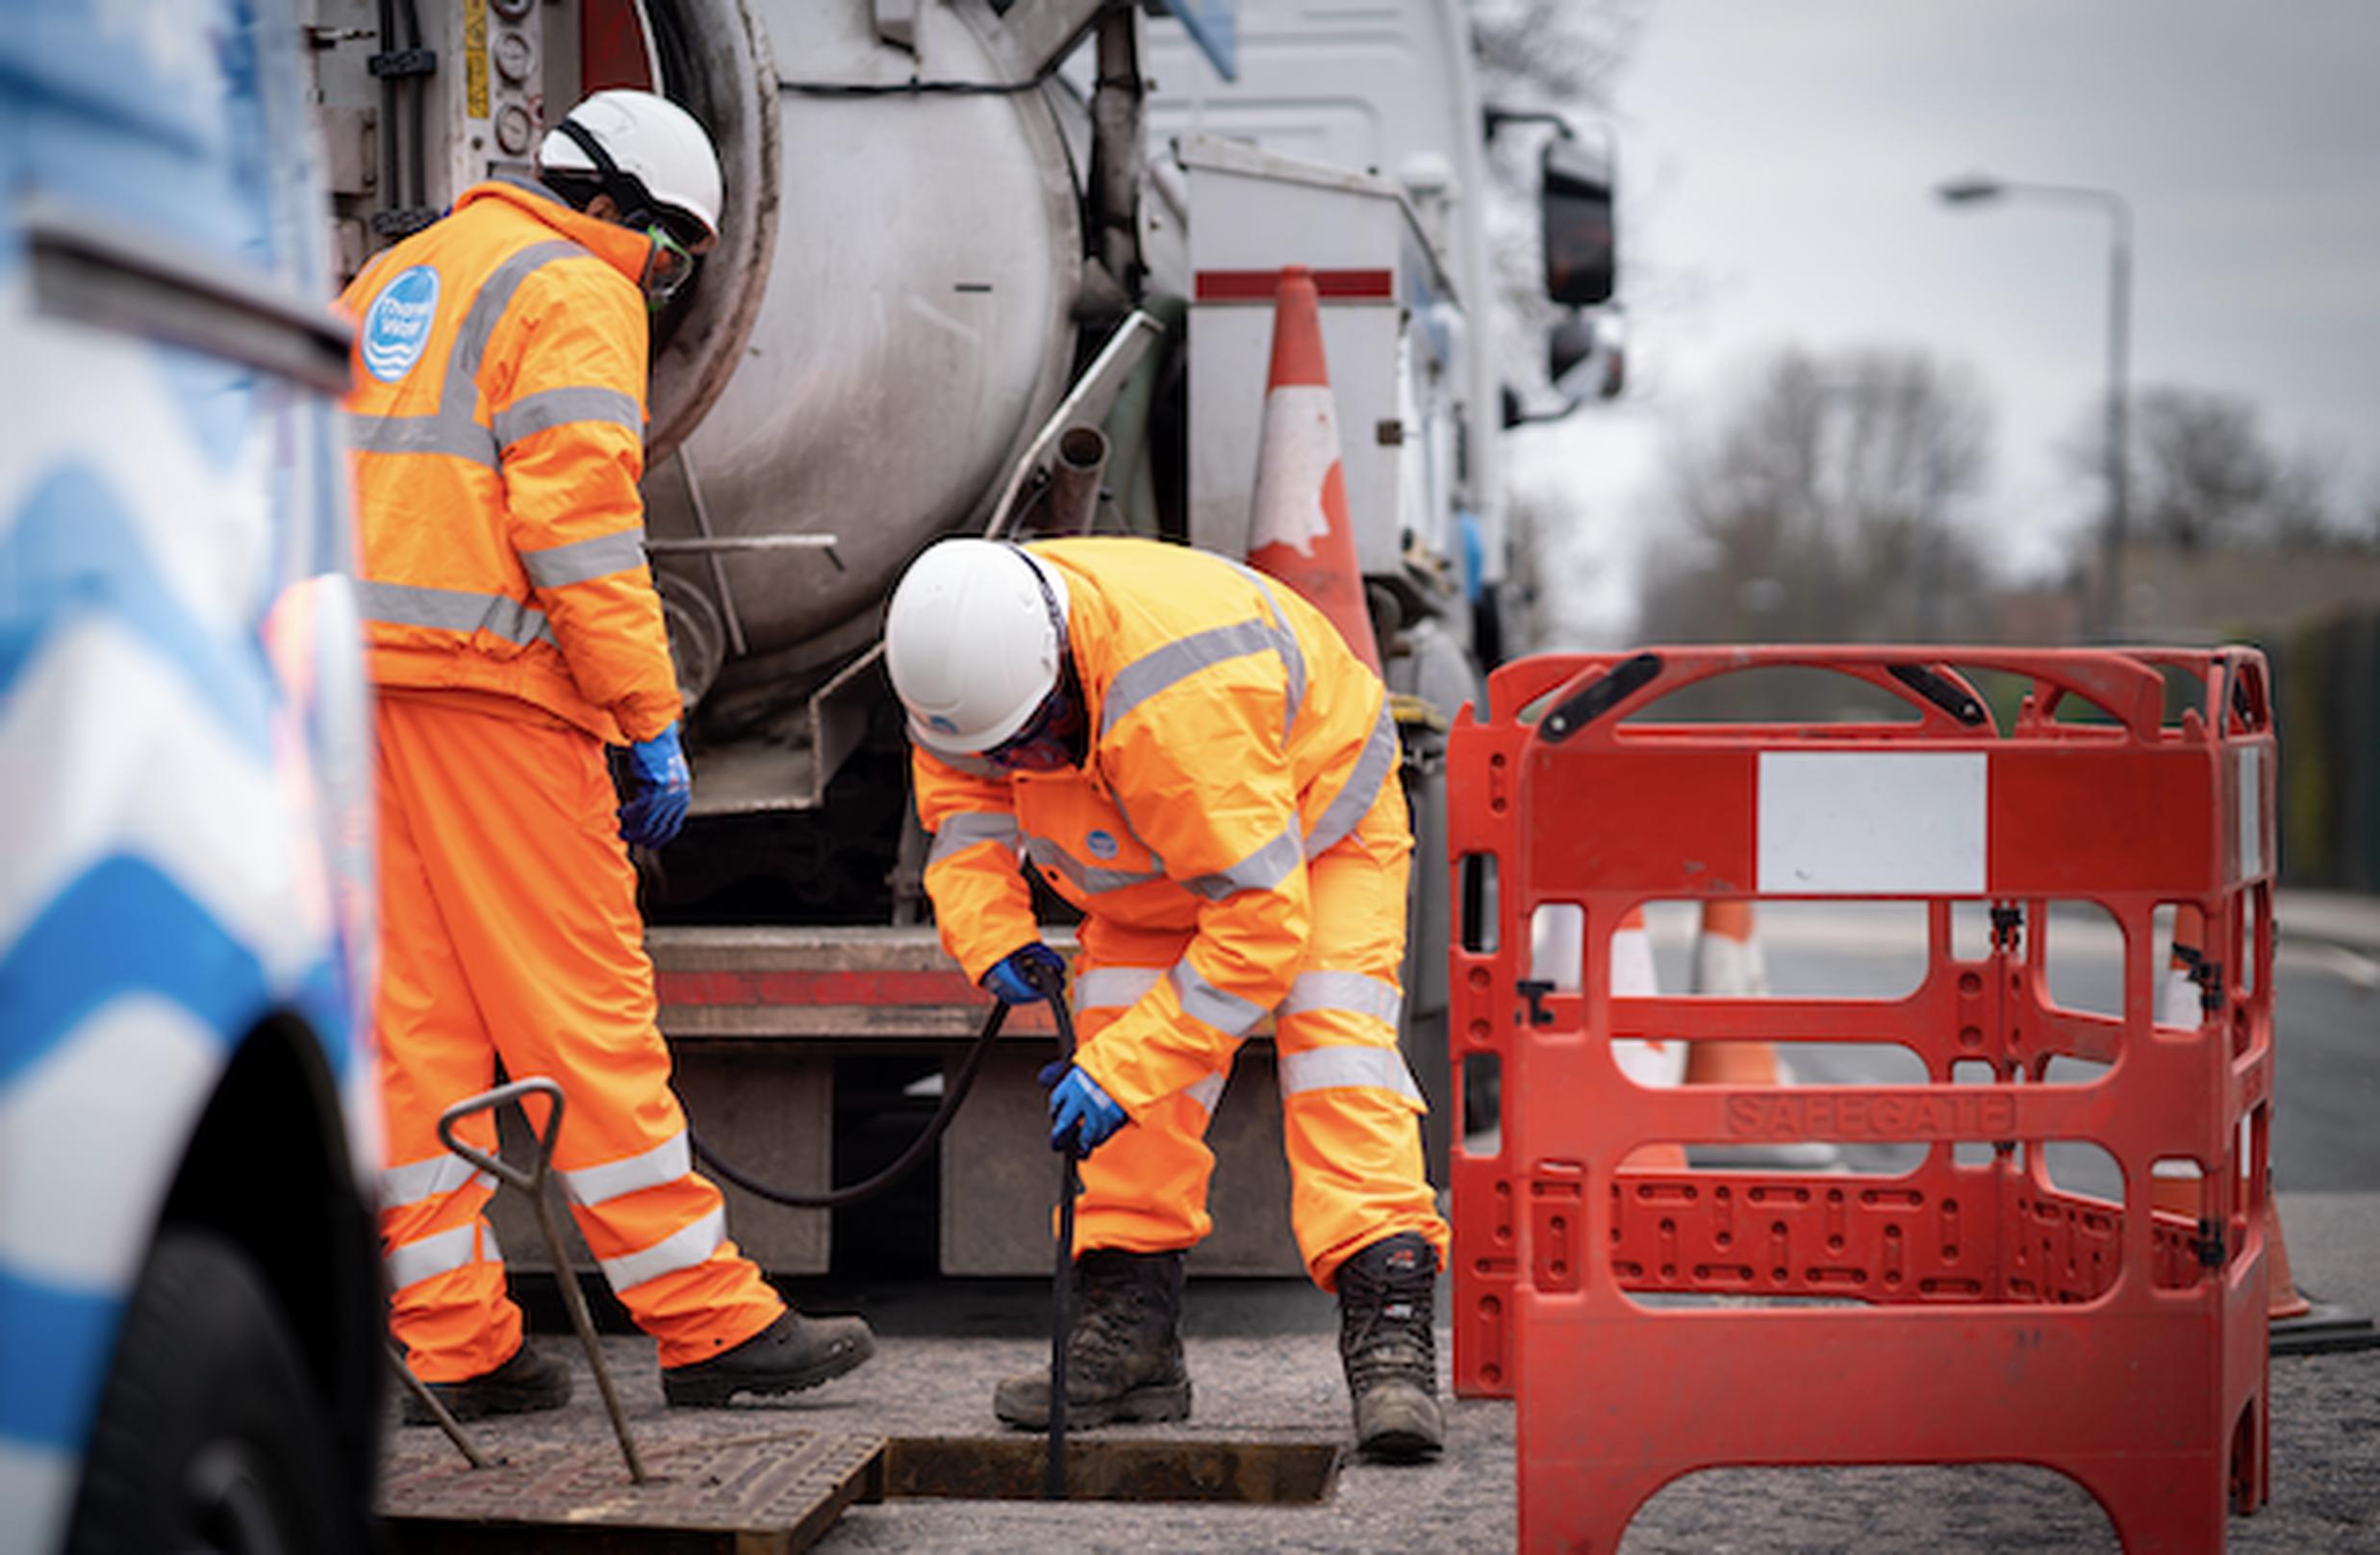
975	641
652	140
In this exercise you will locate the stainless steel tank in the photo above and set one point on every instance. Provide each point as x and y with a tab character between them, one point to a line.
903	335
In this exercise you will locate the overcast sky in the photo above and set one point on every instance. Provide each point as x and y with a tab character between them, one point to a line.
1778	164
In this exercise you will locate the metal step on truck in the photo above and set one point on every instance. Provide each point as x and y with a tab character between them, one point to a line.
988	267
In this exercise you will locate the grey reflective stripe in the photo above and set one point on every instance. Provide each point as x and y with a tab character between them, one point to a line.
973	766
1179	660
560	407
1291	650
1088	879
411	605
458	397
1115	987
454	427
1260	871
417	1181
1332	1068
440	1254
597	556
683	1251
1345	809
1206	1093
423	434
666	1163
1201	999
1356	993
960	833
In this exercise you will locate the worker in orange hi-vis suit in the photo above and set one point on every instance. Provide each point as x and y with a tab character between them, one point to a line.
513	632
1190	753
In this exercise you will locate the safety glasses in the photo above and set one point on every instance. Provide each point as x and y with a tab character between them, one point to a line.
668	266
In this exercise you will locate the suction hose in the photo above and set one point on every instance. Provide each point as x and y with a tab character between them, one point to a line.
860	1192
1052	985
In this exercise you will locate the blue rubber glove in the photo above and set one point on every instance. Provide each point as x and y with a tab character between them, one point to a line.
1011	979
1078	1106
662	787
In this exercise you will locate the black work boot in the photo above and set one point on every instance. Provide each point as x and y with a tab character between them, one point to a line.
525	1384
793	1353
1389	1350
1123	1354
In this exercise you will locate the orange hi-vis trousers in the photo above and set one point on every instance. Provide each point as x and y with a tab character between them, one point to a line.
510	931
1351	1113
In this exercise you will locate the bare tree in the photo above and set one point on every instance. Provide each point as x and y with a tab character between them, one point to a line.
2205	476
1553	53
2206	470
1823	507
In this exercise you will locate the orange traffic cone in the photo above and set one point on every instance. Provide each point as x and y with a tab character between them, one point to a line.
1728	962
1648	1062
1298	530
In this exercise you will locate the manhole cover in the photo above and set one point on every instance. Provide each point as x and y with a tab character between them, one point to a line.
769	1493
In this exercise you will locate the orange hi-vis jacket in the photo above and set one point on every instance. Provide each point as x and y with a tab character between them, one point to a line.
497	422
1234	736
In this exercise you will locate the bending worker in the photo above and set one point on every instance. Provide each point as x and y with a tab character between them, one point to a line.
1189	753
513	632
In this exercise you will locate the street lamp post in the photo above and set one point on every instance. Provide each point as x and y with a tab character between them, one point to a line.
1978	188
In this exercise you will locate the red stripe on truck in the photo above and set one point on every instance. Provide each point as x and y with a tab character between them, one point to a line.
874	990
1260	286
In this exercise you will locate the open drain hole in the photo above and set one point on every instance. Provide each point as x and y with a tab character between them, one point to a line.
1009	1469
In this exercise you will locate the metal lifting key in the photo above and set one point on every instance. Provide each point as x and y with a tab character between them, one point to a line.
533	1184
1062	1281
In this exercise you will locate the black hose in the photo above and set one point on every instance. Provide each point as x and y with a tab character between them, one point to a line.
1052	985
860	1192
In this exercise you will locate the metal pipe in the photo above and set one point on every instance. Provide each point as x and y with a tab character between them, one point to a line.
719	568
1980	188
391	195
719	543
2119	411
1118	145
1071	506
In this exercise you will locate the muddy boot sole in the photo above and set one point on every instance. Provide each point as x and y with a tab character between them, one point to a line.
713	1391
1019	1403
1399	1424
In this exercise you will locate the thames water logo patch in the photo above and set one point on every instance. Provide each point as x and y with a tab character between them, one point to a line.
397	327
1103	843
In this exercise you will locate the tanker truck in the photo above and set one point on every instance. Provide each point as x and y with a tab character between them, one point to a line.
986	267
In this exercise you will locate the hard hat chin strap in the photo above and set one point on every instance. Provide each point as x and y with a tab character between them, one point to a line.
627	191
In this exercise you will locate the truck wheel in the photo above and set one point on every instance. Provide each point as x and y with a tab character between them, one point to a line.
210	1436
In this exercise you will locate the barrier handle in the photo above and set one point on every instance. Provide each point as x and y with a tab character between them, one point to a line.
1591	694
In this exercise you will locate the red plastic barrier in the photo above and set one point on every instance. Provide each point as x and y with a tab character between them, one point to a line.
1967	1311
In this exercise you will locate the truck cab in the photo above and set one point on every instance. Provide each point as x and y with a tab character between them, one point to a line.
189	1291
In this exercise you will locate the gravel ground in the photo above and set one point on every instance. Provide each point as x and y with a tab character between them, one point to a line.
1265	1368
